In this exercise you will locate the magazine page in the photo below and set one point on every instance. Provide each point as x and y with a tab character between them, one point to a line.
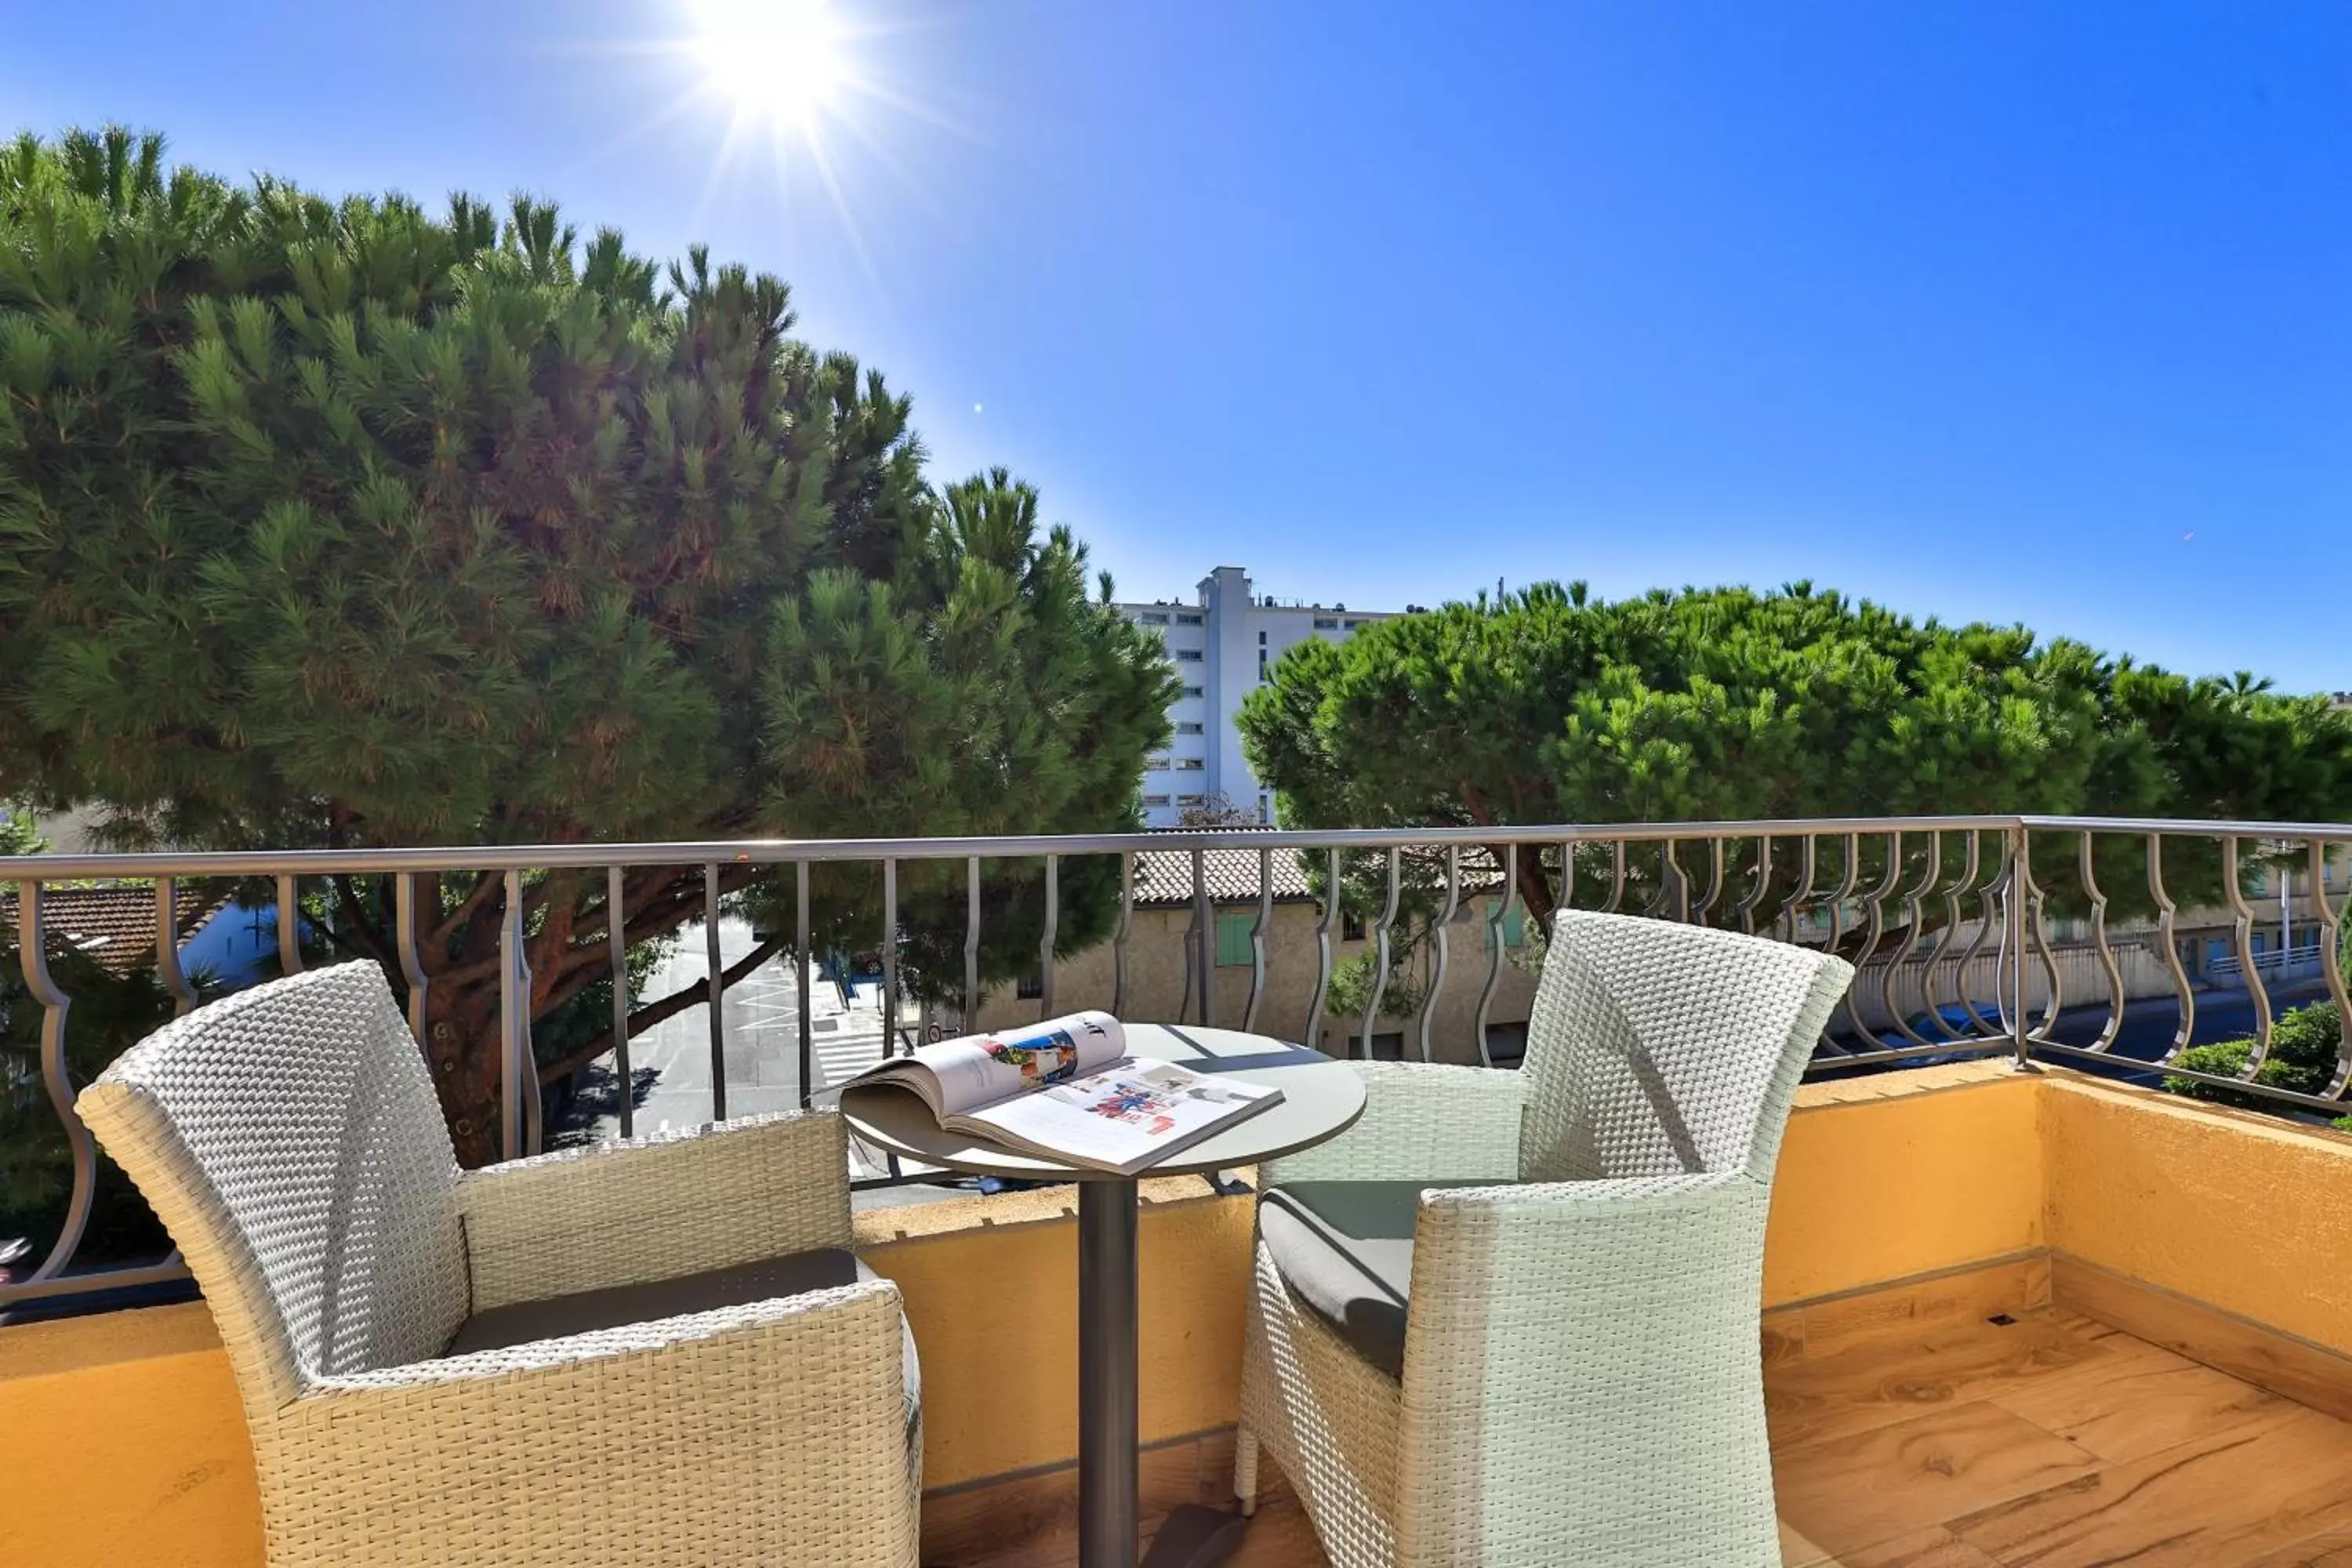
980	1069
1124	1118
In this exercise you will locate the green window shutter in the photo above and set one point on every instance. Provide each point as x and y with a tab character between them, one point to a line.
1515	928
1234	939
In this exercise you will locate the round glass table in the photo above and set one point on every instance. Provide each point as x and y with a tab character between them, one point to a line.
1320	1099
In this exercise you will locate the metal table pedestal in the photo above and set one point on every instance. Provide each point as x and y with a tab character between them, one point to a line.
1193	1536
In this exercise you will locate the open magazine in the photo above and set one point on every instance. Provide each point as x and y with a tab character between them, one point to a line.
1067	1090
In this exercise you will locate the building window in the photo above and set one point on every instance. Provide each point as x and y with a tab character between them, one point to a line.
1192	800
1233	947
1147	800
1189	727
1327	624
1184	620
1352	626
1154	617
1352	926
1188	656
1265	813
1261	639
1192	691
1032	987
1191	765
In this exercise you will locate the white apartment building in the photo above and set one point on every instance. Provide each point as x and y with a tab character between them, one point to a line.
1222	646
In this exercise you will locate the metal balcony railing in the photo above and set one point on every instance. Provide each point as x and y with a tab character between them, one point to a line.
1947	919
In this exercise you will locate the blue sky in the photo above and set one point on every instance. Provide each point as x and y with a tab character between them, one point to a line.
2016	312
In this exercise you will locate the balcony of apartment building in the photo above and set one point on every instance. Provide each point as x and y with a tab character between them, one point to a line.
2040	1283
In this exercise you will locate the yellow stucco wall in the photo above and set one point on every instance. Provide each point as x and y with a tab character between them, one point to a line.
1883	1178
121	1444
2241	1211
127	1428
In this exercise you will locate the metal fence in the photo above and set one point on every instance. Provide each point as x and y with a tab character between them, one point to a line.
1949	921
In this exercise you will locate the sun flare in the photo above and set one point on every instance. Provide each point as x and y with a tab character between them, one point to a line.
781	62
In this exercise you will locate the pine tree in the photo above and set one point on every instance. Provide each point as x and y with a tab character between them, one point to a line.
338	523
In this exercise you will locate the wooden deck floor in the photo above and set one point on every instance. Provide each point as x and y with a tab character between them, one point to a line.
2051	1441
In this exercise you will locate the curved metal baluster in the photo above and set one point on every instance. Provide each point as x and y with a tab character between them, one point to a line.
33	957
2039	930
714	982
1714	882
1673	886
1879	893
1120	938
1987	921
1323	928
890	1006
407	921
2330	918
1200	972
2241	937
167	947
971	943
1442	935
1616	880
616	952
289	928
1258	928
1807	866
1847	882
1567	871
1753	898
804	969
1495	919
1380	947
2083	856
2185	995
517	1068
1914	915
1045	966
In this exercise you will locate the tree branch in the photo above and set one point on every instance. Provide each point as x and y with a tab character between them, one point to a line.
669	1006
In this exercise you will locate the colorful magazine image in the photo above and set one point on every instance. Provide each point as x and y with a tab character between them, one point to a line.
1066	1090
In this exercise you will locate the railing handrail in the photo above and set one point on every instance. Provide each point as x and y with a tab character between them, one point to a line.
785	851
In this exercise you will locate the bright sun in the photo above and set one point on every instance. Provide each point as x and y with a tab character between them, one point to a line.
777	61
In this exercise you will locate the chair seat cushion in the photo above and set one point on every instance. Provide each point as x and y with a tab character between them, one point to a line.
615	1306
1344	1248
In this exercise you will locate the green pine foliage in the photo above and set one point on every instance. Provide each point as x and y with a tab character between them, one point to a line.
342	523
1551	706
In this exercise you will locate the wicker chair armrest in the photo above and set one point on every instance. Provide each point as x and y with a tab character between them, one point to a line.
778	1429
1421	1121
1581	1347
654	1208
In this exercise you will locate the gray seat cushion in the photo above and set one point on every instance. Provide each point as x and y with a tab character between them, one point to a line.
1344	1248
585	1311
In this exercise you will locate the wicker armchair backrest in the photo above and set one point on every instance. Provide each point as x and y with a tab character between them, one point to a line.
1658	1048
289	1139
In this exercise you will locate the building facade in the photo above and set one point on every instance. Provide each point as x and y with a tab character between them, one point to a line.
1222	645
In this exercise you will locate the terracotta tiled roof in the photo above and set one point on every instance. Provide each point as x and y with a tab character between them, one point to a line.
115	926
1164	877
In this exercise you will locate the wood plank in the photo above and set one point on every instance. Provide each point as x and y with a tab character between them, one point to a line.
1033	1520
1876	1383
1937	1547
2127	1405
2224	1498
2328	1548
1893	1480
1907	1309
2252	1352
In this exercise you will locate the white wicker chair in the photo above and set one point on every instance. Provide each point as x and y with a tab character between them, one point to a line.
1579	1379
386	1314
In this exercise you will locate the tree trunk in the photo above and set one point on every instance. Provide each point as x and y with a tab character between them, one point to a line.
461	1051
